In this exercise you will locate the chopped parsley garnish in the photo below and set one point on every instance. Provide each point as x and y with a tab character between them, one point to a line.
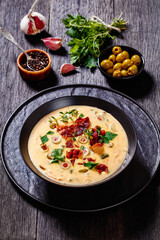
50	132
44	139
55	161
88	132
90	165
50	120
68	115
82	147
98	129
81	115
57	155
108	137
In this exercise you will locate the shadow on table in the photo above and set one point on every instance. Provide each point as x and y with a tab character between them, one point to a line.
35	40
48	82
137	88
127	221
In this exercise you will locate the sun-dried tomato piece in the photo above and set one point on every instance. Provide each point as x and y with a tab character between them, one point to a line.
75	129
94	138
69	143
74	153
72	161
101	168
91	160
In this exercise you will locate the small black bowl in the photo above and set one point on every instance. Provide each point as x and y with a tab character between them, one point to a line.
58	103
108	51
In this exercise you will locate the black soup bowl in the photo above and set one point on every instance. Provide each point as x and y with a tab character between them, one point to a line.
58	103
108	51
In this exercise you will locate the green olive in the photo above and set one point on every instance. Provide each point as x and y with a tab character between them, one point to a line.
124	73
120	57
106	64
117	73
126	54
116	50
132	70
110	71
136	59
112	58
127	63
117	66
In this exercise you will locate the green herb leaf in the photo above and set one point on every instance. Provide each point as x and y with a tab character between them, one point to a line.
82	147
98	129
88	132
56	152
50	133
108	137
44	139
50	120
54	161
91	165
88	36
57	155
81	115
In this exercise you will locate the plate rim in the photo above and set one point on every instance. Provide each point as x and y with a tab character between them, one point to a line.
74	86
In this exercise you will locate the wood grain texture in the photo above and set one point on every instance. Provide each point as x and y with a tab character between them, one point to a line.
21	219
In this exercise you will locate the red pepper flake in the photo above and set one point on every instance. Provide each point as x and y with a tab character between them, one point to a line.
80	163
101	168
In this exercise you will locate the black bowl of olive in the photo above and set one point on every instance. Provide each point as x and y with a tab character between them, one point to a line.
121	62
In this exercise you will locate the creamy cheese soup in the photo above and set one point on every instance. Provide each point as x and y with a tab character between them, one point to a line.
78	145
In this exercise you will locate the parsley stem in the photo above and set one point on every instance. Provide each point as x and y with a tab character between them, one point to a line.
95	18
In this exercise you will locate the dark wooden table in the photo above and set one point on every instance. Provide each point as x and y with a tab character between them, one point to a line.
21	218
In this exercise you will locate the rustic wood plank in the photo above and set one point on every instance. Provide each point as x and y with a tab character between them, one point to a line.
18	216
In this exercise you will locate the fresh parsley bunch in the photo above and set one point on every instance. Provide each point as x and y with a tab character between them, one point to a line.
88	35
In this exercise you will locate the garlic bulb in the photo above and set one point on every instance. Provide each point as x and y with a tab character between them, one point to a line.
33	23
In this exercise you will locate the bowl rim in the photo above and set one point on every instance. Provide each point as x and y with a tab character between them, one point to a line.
121	78
21	55
78	186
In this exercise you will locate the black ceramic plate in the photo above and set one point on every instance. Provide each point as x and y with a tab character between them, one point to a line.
58	103
122	188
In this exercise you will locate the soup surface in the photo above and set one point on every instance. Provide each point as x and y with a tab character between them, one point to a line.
78	145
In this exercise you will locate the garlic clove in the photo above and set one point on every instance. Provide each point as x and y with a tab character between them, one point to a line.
53	43
66	68
33	23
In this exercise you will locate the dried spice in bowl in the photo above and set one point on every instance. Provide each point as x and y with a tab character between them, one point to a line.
38	65
41	71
